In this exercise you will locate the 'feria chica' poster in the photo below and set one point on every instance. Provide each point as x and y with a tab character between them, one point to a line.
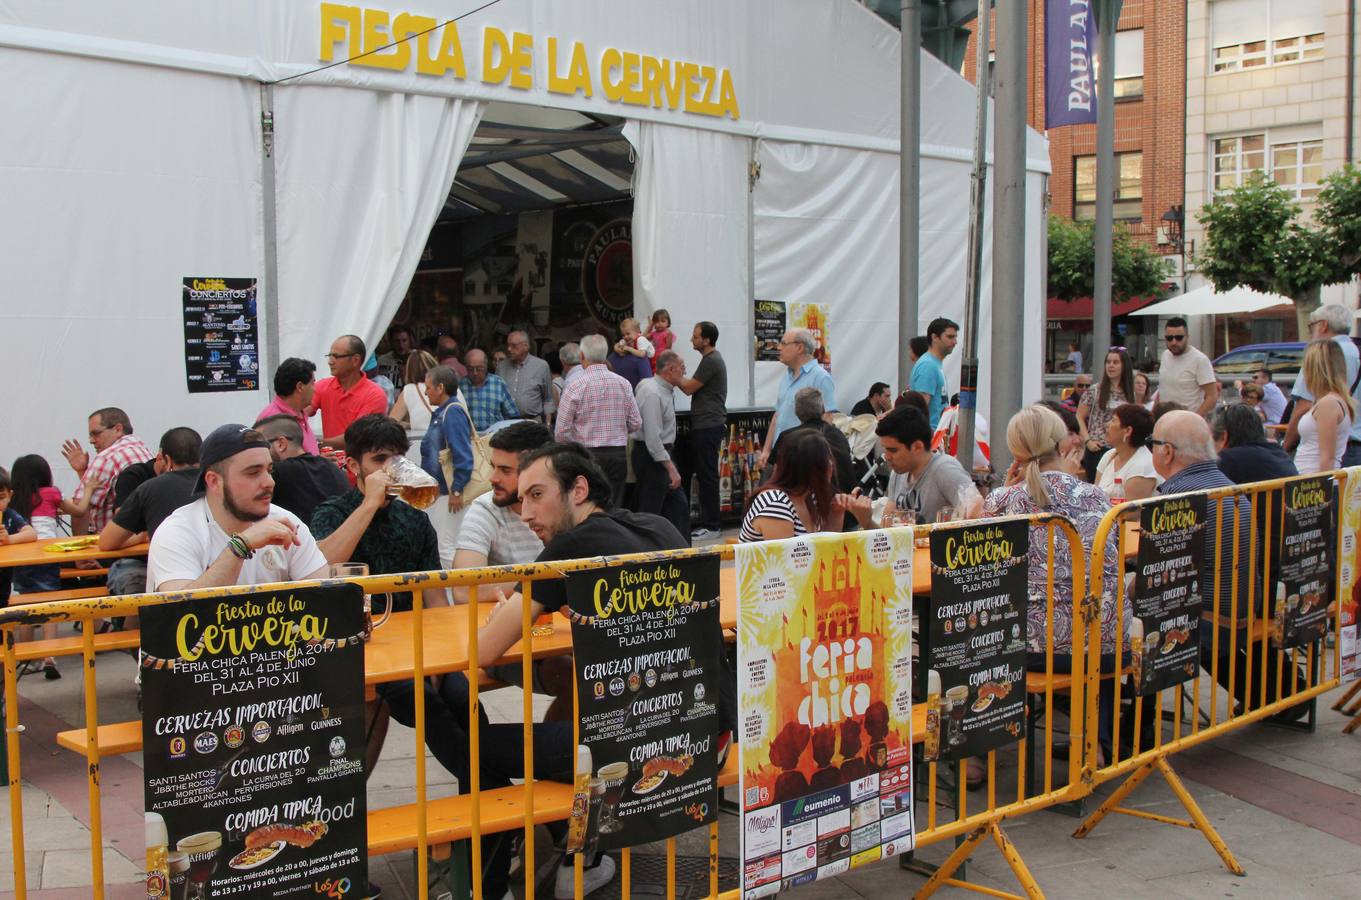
646	641
253	738
824	655
1349	517
1306	569
1165	631
976	652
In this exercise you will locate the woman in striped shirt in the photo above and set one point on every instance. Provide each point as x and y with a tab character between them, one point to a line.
801	496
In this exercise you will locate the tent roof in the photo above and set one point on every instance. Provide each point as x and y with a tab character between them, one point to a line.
1206	301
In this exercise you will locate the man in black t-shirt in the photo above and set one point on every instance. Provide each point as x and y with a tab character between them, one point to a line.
138	514
302	480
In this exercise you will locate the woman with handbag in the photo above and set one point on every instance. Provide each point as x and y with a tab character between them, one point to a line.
447	448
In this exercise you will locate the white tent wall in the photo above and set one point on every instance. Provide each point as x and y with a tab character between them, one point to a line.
690	240
362	176
118	183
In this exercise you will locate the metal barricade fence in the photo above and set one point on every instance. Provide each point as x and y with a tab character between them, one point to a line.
1242	656
534	802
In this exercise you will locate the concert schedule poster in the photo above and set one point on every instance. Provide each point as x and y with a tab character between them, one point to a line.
253	740
646	642
770	329
824	705
1306	569
221	334
976	652
1165	632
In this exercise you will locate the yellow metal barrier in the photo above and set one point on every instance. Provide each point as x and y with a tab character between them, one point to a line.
968	827
1250	510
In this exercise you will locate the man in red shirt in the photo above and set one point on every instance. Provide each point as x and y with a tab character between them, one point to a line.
348	393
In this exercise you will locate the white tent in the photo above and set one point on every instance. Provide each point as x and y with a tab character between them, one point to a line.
1206	301
142	147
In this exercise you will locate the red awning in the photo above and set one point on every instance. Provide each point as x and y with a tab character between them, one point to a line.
1082	307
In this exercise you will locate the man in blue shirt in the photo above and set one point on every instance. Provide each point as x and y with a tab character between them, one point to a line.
928	375
1330	322
488	397
796	352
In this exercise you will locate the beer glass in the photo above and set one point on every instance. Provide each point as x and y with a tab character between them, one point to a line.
946	514
957	698
613	776
178	862
201	850
893	516
411	483
361	570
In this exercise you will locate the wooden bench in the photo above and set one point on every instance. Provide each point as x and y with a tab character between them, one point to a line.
84	593
73	572
74	645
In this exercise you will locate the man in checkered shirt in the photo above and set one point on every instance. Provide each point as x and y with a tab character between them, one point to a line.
597	410
115	450
487	396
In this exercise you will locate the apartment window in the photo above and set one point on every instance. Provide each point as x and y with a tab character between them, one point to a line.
1249	34
1296	160
1129	187
1129	64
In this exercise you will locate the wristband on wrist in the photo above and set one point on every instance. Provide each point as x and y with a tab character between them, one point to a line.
240	549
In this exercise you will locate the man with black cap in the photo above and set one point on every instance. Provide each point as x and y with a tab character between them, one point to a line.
233	534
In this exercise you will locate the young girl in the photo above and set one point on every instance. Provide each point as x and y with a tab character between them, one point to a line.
14	529
660	334
37	500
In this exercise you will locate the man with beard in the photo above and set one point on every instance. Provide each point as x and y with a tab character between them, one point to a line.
233	534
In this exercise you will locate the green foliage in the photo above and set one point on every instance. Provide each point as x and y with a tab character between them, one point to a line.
1339	215
1136	271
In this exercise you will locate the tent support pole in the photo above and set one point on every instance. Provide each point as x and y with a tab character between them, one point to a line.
753	175
909	186
269	296
1107	15
973	275
1008	375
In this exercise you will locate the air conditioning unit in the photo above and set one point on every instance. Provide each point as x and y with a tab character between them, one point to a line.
1173	265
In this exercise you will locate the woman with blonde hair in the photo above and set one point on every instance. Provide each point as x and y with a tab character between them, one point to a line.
1324	429
1039	482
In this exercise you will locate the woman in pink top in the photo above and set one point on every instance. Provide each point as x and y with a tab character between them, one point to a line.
40	502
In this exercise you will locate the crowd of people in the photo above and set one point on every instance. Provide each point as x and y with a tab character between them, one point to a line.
534	462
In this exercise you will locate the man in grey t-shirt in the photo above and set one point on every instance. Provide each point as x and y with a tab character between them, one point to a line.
922	481
708	390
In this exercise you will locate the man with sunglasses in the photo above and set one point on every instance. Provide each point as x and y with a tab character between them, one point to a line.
348	394
1186	376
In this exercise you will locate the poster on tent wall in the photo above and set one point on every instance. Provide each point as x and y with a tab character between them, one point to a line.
1306	562
1349	521
824	657
770	329
221	334
813	316
253	740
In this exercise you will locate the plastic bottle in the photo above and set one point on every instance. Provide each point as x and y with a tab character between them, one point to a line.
1118	492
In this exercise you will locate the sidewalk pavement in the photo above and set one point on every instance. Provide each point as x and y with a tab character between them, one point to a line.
1287	803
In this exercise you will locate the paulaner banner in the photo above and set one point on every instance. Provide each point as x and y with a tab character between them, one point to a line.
1069	78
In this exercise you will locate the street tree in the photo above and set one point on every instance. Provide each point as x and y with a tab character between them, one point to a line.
1136	271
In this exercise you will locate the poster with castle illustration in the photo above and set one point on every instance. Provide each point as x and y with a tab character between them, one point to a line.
824	705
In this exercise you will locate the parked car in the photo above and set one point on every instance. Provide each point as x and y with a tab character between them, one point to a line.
1281	358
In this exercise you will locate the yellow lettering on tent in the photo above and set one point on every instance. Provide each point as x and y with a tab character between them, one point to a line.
578	77
672	79
727	97
611	61
336	21
377	36
504	58
450	55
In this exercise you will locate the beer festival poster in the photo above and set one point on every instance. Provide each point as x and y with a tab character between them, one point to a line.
824	705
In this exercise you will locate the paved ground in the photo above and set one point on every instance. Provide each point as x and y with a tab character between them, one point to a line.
1287	803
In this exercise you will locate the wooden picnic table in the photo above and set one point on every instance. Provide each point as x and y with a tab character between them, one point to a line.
34	553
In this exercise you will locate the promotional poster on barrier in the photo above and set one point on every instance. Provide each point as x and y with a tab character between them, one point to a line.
975	657
221	335
1306	568
824	658
646	643
1349	519
1165	632
253	744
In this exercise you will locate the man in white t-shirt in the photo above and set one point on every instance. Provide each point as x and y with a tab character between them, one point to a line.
1186	376
493	533
233	534
922	481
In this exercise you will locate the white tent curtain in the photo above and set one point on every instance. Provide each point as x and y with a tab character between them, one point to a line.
821	215
362	176
690	239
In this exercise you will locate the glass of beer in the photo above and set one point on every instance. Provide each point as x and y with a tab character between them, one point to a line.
411	483
361	570
956	699
178	862
201	850
613	777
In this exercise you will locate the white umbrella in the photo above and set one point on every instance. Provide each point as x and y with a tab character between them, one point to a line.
1206	301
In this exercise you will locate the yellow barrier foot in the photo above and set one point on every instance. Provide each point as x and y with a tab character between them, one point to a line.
944	874
1112	803
1198	816
1350	693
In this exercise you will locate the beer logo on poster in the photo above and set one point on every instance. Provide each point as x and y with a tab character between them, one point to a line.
607	273
205	742
260	731
178	747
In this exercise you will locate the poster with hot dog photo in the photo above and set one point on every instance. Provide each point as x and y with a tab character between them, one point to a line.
1164	642
824	704
1305	598
975	652
646	643
253	743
